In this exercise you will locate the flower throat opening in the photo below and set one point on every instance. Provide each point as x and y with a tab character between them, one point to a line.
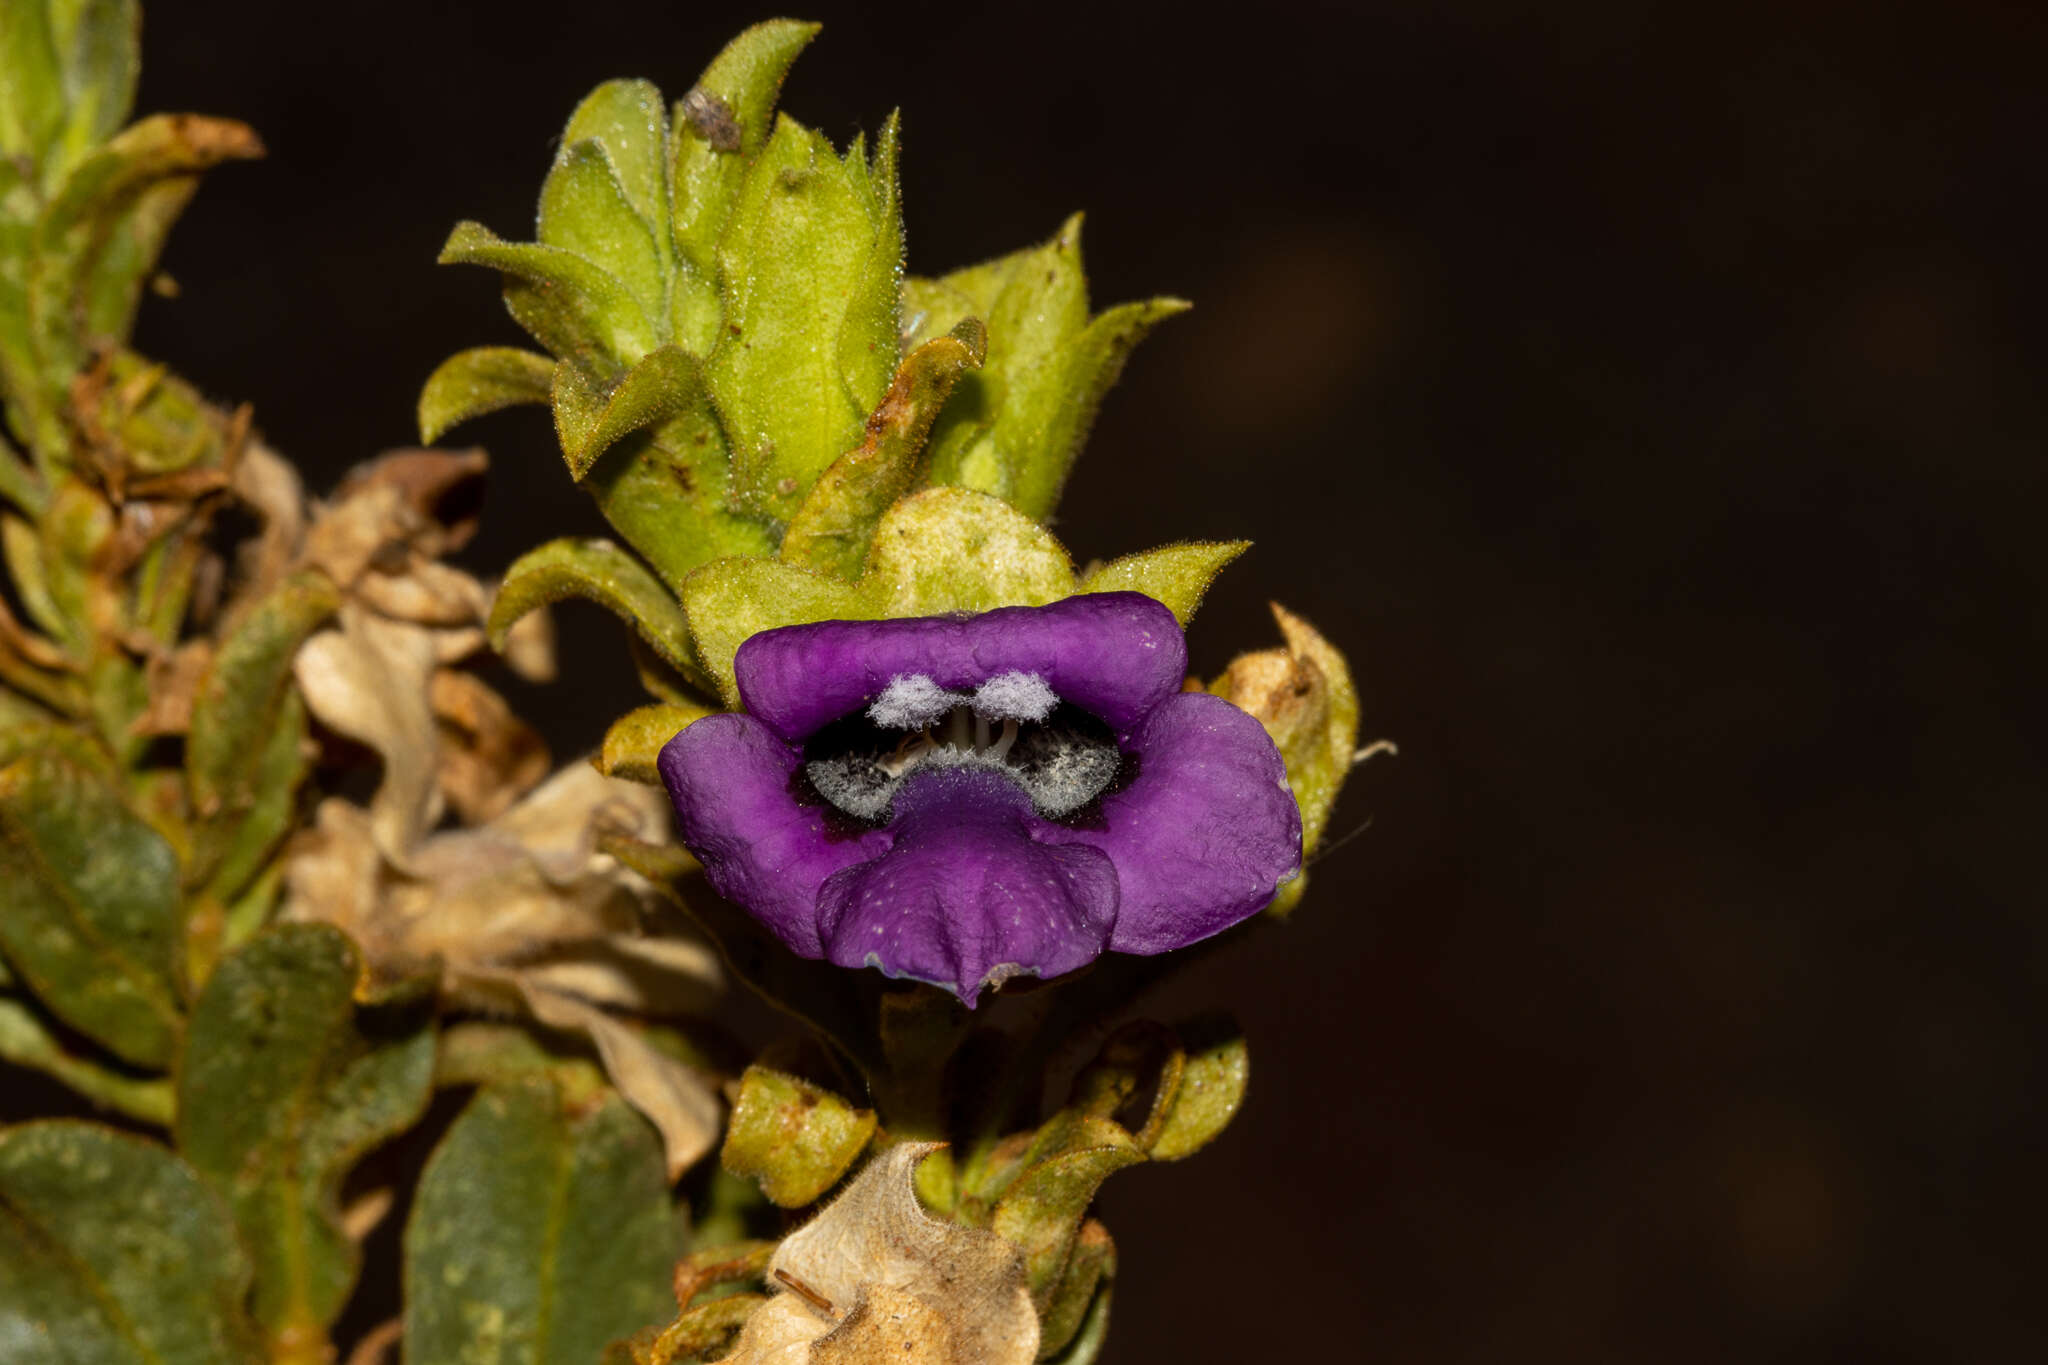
1061	756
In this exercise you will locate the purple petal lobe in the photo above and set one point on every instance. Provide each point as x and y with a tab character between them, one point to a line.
1115	654
1203	834
968	897
732	782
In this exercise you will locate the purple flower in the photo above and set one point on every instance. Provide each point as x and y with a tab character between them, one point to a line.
961	800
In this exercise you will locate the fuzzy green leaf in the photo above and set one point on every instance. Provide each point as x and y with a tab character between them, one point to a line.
1211	1090
1093	1331
624	118
283	1086
92	917
238	758
835	526
584	209
1015	428
31	82
1089	1268
541	1232
719	127
949	549
101	236
574	307
666	381
635	739
1041	1211
98	44
112	1250
481	380
608	576
794	1138
1178	575
941	550
805	354
730	599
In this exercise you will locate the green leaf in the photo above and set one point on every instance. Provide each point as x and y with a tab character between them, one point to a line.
31	83
541	1231
98	44
584	209
941	550
92	906
1041	1211
100	238
729	599
871	338
949	549
26	1040
605	574
834	527
624	118
1094	1329
1211	1089
794	1138
666	381
792	264
574	307
1178	575
482	380
234	759
284	1084
112	1250
635	739
1089	1269
719	127
273	807
1015	428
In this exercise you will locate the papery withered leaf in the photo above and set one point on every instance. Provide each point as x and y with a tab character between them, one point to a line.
882	1280
605	574
1178	575
584	209
721	125
92	918
1210	1092
111	1249
834	527
1041	1211
1304	695
635	739
792	1137
482	380
283	1085
574	307
542	1230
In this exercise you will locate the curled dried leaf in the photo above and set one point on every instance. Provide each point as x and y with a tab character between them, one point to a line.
875	1278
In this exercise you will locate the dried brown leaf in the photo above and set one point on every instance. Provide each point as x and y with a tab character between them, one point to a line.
875	1278
489	757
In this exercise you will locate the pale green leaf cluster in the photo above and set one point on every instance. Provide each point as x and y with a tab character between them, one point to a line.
780	425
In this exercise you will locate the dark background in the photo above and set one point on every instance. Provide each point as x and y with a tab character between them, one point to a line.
1648	403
